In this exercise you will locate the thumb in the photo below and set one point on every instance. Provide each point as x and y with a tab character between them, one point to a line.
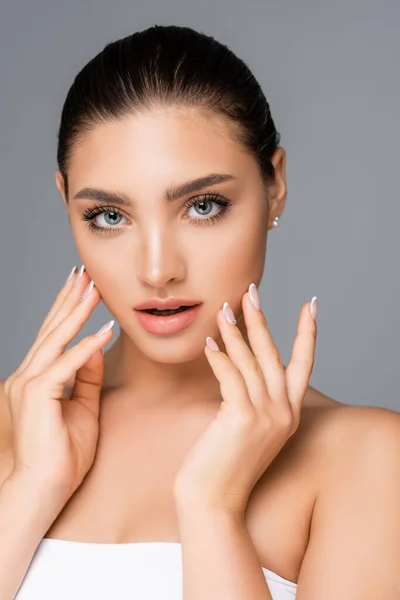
88	382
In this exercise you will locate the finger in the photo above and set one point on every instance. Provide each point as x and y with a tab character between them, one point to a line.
232	384
70	300
88	382
62	294
60	298
242	357
80	285
299	369
265	351
52	380
61	309
53	346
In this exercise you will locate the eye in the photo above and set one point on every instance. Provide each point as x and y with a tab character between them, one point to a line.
209	199
111	214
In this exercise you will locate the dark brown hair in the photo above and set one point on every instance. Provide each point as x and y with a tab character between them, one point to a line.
170	66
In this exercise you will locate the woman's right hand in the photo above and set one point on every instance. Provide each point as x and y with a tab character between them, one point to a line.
55	439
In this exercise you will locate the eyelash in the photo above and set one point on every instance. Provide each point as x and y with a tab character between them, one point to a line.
91	213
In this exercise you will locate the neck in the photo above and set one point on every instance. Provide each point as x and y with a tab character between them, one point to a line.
159	383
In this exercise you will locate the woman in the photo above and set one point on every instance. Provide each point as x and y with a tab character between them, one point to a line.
188	461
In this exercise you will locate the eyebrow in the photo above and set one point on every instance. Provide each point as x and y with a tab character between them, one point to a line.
171	194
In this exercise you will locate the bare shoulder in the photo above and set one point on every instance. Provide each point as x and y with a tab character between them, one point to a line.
352	422
333	418
332	434
356	452
344	434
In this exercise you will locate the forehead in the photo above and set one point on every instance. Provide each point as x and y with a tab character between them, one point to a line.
157	145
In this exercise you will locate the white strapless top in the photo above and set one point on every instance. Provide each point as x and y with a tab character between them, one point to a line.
65	570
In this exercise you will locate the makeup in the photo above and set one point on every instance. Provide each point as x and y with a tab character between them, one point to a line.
164	325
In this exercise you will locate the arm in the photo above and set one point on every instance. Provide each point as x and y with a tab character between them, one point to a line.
25	516
219	559
354	547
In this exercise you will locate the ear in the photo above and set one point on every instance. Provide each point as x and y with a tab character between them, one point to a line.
278	191
61	188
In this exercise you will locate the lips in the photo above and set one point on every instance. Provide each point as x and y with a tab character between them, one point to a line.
156	303
166	325
167	312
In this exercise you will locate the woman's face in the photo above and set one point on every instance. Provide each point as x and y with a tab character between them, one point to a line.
154	248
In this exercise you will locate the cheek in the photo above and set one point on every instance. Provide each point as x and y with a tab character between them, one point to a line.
99	253
234	259
249	249
102	264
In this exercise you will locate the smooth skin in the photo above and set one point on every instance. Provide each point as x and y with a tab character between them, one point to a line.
261	409
55	439
324	513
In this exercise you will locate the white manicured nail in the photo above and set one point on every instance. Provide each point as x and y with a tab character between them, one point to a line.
228	314
314	308
212	343
87	291
106	327
80	274
71	274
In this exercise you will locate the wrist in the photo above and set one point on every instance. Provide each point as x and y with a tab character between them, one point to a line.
39	489
29	509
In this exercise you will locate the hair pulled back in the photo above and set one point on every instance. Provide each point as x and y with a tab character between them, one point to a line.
168	66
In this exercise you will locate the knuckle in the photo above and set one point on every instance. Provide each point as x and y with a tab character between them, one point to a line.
29	387
267	420
285	419
246	418
7	384
15	384
295	423
87	381
254	366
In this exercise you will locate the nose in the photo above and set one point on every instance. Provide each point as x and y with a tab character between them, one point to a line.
159	260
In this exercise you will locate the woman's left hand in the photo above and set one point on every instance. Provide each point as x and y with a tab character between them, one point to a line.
260	411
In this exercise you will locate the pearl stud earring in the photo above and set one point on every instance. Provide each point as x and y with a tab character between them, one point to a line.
275	222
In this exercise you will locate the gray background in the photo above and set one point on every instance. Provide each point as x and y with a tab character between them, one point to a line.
330	72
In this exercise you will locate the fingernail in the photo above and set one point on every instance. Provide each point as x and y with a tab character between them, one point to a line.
254	297
228	314
106	327
314	308
87	291
80	274
71	274
211	343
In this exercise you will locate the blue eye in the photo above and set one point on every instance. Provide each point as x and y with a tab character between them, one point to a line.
90	214
209	199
